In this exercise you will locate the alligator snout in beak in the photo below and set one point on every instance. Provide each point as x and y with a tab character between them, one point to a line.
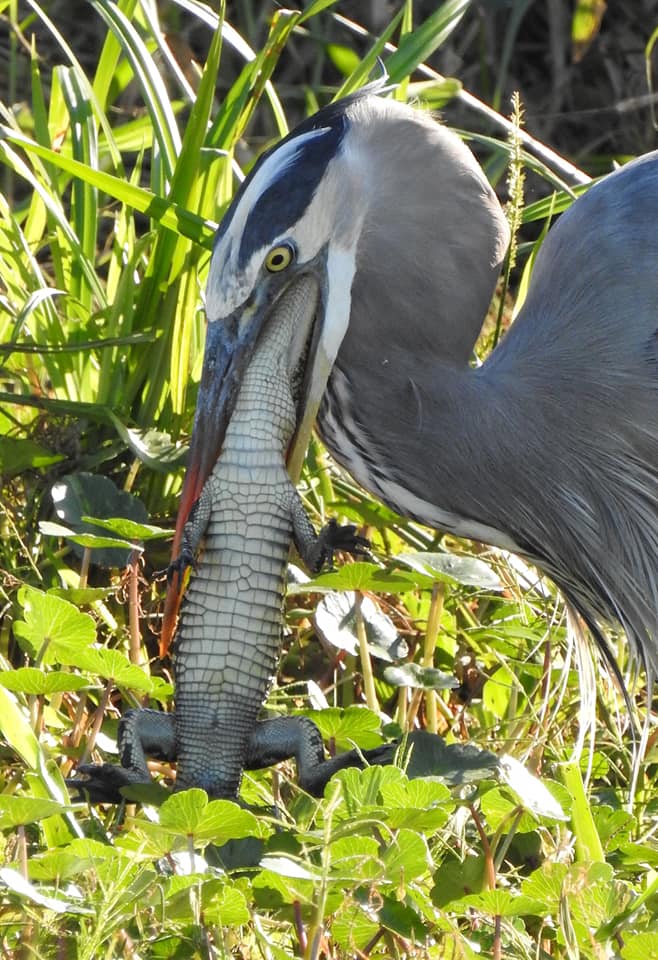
229	347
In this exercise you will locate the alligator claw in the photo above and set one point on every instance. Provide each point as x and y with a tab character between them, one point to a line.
343	538
102	782
180	564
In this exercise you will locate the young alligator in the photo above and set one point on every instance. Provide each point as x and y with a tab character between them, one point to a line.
228	641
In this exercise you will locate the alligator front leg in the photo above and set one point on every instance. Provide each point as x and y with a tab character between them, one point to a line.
142	734
317	549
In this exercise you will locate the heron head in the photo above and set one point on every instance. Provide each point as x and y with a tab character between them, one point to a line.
350	199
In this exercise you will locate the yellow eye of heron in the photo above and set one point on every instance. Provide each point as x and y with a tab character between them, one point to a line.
280	257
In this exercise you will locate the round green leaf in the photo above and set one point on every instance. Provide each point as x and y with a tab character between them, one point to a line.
20	454
532	793
335	618
189	813
35	682
407	857
19	811
52	626
361	576
469	571
110	664
91	540
129	529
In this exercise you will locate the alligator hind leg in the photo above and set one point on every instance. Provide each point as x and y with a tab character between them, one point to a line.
283	738
142	734
151	733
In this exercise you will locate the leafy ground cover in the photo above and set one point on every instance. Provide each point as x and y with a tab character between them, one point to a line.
119	155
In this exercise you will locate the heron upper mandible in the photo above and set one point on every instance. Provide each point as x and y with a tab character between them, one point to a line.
549	448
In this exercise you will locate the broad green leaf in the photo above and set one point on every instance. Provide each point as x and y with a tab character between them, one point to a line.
497	692
347	727
361	788
406	857
189	813
613	826
154	448
401	919
20	454
81	495
455	879
532	793
91	540
16	729
272	890
78	855
501	811
289	867
503	903
82	596
129	529
545	885
469	571
36	682
28	891
335	618
109	664
355	858
427	755
15	811
422	805
224	905
363	576
52	626
353	928
639	946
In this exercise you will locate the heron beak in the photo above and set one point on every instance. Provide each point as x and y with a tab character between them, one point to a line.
229	346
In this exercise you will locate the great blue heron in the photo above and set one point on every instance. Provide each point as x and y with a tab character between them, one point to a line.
550	448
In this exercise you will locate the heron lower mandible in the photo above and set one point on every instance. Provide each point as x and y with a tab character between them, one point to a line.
550	448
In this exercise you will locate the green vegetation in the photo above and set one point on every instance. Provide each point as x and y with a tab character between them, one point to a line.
114	174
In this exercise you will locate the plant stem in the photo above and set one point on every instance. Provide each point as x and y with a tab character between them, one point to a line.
431	634
364	653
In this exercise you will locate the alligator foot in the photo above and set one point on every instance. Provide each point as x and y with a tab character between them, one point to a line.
315	779
334	537
284	737
142	734
102	782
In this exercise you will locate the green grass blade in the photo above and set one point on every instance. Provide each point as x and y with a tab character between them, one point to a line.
588	842
150	83
84	200
417	46
162	211
242	48
368	63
